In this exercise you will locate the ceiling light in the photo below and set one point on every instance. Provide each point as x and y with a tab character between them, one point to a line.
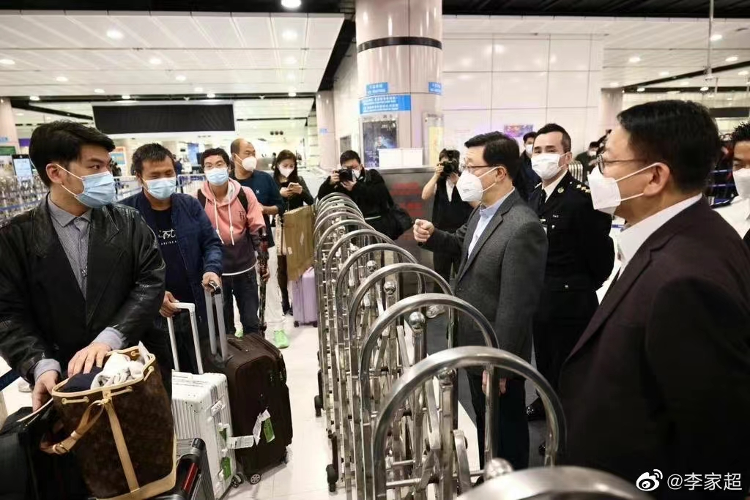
704	89
730	98
155	61
292	93
640	89
180	78
291	4
744	72
614	84
672	92
61	79
731	59
114	34
210	95
98	91
7	62
635	59
716	37
126	96
466	61
685	83
290	60
198	89
664	73
19	114
289	35
34	98
291	76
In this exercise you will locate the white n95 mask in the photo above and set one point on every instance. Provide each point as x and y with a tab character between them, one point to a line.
742	182
605	193
546	165
470	187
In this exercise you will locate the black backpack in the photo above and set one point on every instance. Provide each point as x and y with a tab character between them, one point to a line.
241	196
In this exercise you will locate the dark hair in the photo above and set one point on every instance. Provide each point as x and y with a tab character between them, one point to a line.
554	127
61	142
285	155
348	156
499	149
680	134
214	152
150	152
741	133
234	148
529	135
593	144
451	154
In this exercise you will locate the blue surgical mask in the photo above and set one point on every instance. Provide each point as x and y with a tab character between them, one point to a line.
98	189
162	189
217	176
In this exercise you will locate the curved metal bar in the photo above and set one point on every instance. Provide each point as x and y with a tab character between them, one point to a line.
452	359
552	482
340	201
342	207
320	244
330	196
347	237
328	217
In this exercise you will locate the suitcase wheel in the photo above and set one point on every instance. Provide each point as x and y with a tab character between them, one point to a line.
285	458
318	405
333	476
296	324
255	479
238	480
315	324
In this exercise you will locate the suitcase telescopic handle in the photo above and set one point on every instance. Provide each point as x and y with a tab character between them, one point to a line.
215	316
190	308
215	288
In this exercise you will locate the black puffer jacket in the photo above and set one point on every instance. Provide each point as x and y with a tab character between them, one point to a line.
43	313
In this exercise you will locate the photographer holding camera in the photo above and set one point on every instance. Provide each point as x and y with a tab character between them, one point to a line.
449	212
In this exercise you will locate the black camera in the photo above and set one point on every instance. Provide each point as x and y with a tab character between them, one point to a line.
449	167
345	175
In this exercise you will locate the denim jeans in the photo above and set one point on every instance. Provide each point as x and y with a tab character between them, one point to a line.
244	287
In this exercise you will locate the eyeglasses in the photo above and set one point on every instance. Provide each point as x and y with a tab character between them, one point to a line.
601	163
471	168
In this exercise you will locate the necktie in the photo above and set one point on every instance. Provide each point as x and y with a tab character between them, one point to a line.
542	200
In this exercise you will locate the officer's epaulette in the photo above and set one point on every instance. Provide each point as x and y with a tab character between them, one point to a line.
581	187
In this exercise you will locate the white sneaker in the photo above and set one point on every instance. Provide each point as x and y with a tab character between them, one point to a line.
435	311
24	386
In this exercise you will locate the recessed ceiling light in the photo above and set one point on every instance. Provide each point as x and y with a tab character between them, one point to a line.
155	61
731	59
704	89
98	91
744	72
292	93
210	95
290	60
61	79
7	62
126	96
672	92
19	114
664	73
291	77
114	34
289	35
466	61
730	98
291	4
635	59
180	78
685	83
34	98
640	89
198	89
614	84
716	37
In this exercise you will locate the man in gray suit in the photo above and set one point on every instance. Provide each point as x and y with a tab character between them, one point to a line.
503	251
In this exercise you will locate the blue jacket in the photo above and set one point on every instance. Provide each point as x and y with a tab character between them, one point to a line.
199	244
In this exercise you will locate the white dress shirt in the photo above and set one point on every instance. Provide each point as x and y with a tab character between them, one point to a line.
737	214
449	185
633	237
485	216
551	188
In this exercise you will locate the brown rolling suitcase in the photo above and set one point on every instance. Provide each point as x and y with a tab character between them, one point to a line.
256	375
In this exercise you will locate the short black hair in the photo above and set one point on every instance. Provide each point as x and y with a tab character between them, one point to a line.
554	127
529	135
61	142
451	154
214	152
150	152
348	156
680	134
593	144
741	133
499	149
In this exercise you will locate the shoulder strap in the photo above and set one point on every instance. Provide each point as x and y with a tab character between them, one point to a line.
202	198
243	198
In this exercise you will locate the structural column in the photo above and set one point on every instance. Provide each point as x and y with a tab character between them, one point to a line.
326	125
611	105
399	65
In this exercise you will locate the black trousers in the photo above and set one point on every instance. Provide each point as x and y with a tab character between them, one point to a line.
183	332
283	279
511	426
244	287
446	265
559	323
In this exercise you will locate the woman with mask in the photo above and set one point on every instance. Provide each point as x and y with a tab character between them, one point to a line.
295	193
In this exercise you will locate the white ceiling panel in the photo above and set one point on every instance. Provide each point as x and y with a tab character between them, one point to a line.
322	31
219	30
256	30
290	32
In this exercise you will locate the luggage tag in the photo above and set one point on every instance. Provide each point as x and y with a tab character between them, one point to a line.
239	442
260	424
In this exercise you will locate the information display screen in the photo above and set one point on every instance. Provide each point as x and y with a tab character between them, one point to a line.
22	167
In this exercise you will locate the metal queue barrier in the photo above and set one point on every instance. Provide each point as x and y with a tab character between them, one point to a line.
389	430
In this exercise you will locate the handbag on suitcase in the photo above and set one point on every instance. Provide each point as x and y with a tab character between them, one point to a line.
261	413
201	409
305	300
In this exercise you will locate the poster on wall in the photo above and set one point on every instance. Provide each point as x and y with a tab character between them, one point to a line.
378	134
118	155
345	143
517	131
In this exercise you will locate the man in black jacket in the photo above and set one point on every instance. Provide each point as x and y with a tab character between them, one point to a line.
79	277
366	187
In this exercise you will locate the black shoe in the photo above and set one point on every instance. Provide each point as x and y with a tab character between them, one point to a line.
478	482
543	449
535	411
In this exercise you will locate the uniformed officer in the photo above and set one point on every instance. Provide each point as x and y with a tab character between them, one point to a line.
737	212
579	260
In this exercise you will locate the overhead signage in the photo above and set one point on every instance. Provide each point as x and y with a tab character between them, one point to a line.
377	88
384	104
435	88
